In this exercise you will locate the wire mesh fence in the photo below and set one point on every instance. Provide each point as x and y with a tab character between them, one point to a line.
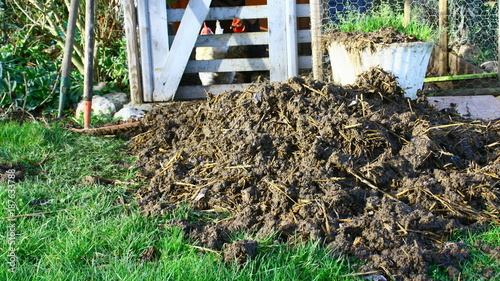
471	31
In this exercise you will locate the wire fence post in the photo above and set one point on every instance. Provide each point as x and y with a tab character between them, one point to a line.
407	12
443	37
317	52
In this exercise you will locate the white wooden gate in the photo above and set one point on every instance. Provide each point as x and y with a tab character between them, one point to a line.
165	58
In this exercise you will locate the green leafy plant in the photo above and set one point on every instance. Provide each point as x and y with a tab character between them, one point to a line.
112	64
32	40
381	16
27	75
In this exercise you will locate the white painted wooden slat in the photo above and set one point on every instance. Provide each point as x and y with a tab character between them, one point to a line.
246	38
146	50
291	38
227	65
277	41
170	77
305	62
225	13
231	39
303	10
199	92
159	36
304	36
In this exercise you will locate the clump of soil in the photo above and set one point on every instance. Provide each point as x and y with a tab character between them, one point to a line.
363	169
378	82
240	251
12	172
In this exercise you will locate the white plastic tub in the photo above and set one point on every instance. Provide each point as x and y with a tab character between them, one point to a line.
407	61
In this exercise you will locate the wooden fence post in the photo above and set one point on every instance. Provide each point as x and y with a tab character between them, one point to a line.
407	16
277	41
146	50
443	37
134	71
291	36
317	52
153	32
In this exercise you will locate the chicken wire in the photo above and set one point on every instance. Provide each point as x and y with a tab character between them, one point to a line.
472	30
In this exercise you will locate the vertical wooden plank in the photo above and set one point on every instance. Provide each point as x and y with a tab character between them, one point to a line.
291	36
317	51
159	35
146	50
153	32
171	74
277	40
134	72
443	37
407	13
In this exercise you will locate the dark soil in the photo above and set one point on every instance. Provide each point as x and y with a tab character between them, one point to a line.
361	40
12	172
363	169
240	251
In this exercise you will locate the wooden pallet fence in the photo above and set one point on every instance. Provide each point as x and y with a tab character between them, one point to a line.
165	57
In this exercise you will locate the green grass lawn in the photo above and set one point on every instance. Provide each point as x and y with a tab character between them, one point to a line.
58	226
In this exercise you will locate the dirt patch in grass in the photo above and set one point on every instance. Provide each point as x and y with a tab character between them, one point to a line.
12	172
363	169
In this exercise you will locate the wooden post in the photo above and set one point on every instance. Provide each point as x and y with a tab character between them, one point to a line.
159	38
291	38
68	53
147	70
443	37
153	33
407	13
89	61
317	52
277	41
134	71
